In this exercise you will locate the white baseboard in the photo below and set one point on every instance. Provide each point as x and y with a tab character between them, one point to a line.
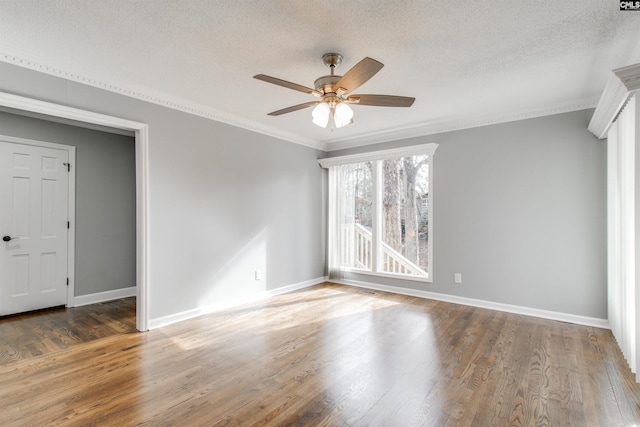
104	296
516	309
223	305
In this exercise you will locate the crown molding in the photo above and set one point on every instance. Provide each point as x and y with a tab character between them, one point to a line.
621	84
615	94
629	76
431	128
22	59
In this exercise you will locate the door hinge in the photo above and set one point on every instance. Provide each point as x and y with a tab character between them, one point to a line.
68	225
67	281
68	165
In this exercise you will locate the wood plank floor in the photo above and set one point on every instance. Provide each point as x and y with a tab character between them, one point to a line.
46	331
331	356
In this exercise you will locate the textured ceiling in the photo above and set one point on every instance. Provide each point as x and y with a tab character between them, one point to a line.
466	63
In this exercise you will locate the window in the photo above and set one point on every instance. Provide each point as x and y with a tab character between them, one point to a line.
380	213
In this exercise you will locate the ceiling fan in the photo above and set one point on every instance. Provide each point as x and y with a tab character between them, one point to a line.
334	92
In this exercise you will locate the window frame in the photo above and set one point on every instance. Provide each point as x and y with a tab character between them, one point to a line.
377	157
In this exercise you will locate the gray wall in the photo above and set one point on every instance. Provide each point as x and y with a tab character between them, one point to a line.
105	200
223	201
519	208
520	211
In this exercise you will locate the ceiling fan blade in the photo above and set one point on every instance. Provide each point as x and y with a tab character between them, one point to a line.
294	108
358	75
381	100
288	85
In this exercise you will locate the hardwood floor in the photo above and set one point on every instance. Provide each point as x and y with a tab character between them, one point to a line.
33	334
332	356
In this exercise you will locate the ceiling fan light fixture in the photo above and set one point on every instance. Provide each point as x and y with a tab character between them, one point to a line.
321	114
333	110
343	115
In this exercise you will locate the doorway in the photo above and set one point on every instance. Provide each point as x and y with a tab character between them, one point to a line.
141	160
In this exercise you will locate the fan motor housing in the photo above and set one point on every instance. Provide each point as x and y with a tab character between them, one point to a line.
325	84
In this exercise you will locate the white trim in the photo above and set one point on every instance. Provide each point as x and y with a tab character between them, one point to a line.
105	296
142	228
10	56
377	156
430	218
71	231
21	59
629	76
376	235
71	204
411	150
431	128
516	309
614	96
142	180
235	302
69	122
57	110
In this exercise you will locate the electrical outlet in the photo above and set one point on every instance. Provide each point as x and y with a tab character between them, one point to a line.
457	278
258	275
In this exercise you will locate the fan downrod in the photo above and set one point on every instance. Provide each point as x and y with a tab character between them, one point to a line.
325	84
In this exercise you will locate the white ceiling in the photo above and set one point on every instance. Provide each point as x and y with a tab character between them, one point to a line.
466	63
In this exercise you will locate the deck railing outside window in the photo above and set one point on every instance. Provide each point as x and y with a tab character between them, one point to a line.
357	253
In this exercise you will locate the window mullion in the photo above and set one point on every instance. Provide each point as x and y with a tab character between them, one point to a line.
376	229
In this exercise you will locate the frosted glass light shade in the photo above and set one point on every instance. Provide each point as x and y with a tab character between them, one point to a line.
321	114
343	115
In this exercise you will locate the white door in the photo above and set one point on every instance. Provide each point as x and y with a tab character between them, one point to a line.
33	215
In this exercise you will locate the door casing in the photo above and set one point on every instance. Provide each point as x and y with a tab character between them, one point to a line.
141	131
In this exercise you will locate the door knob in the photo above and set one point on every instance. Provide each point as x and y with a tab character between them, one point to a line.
8	238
